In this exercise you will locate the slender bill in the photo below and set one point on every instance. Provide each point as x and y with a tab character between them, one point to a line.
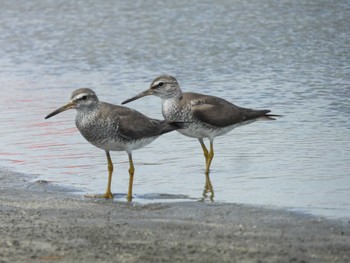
69	105
138	96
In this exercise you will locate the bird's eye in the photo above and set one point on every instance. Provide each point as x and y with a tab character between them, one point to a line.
161	84
84	97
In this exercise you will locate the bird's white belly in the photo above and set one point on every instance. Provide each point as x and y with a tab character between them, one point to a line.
195	132
201	131
121	145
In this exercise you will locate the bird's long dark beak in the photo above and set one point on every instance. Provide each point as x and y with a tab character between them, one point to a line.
69	105
140	95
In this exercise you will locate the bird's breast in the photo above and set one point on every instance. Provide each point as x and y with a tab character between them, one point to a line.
104	134
173	111
94	129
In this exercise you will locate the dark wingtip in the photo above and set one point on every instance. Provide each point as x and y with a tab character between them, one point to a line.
272	116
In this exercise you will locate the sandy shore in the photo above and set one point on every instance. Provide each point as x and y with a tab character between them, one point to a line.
42	223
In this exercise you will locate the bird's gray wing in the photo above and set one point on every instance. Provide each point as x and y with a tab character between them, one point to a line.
221	113
132	125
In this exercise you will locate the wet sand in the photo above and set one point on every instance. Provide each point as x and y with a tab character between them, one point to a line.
43	223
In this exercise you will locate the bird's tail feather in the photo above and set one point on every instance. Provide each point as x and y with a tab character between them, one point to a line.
270	117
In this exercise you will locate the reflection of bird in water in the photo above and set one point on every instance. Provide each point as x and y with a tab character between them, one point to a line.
113	128
208	192
203	116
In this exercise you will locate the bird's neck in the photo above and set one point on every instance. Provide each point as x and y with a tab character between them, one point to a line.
86	115
170	106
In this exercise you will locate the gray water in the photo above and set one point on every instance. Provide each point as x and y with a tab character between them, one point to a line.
288	56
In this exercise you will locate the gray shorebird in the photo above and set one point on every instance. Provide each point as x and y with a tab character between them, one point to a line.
203	116
113	128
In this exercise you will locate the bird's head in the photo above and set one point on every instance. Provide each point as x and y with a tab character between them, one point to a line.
163	86
80	99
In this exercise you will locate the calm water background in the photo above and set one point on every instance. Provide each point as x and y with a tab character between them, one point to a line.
288	56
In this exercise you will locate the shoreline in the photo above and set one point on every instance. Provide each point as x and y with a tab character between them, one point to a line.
42	223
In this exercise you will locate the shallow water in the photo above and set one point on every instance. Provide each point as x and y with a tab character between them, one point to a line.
288	56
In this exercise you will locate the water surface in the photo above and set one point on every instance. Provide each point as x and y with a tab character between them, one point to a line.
288	56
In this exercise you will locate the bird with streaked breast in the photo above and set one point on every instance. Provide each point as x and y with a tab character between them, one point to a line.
113	128
203	116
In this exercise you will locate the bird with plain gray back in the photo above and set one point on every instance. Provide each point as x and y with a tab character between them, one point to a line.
113	128
203	116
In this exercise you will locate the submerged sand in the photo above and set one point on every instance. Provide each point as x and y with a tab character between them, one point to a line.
42	223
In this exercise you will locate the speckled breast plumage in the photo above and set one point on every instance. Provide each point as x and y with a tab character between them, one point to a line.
104	134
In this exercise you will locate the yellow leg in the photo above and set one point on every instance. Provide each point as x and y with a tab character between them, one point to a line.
131	177
108	193
205	150
210	156
208	189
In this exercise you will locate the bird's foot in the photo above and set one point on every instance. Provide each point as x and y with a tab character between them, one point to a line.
107	195
129	198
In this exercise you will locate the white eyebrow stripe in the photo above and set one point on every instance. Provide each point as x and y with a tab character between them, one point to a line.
79	96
